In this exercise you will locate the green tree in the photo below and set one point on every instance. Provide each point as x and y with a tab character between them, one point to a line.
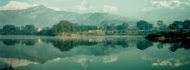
144	25
10	29
46	31
186	24
161	25
122	28
86	28
107	26
176	25
62	26
144	44
29	29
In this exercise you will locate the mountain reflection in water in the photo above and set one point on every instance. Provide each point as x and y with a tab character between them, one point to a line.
21	52
66	45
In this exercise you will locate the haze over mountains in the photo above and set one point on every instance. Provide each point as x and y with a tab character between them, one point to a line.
42	16
20	13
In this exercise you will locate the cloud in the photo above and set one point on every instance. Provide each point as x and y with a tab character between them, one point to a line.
83	6
15	5
110	59
171	62
167	4
110	9
17	62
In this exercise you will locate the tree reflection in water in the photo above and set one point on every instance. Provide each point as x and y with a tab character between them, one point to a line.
10	42
29	42
144	44
175	44
115	43
66	45
178	45
7	67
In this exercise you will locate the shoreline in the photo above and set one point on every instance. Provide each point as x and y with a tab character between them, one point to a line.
68	37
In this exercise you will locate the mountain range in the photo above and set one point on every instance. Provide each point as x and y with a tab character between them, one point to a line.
42	16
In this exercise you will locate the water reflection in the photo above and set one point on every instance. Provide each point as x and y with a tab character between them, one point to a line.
171	62
24	52
66	45
178	45
115	43
144	44
12	42
174	44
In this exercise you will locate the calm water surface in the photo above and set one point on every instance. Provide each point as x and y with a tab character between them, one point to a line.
92	53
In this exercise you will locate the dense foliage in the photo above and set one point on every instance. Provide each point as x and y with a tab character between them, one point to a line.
109	28
176	25
143	25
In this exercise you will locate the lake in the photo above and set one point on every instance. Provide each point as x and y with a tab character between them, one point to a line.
92	53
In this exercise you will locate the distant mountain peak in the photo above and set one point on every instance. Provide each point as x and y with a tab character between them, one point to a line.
42	16
40	7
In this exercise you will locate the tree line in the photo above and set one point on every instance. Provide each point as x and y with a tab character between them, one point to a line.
180	25
66	45
15	30
62	26
66	26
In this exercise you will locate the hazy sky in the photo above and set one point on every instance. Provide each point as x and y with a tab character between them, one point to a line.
130	8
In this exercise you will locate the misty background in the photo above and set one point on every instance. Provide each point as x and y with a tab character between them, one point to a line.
130	10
